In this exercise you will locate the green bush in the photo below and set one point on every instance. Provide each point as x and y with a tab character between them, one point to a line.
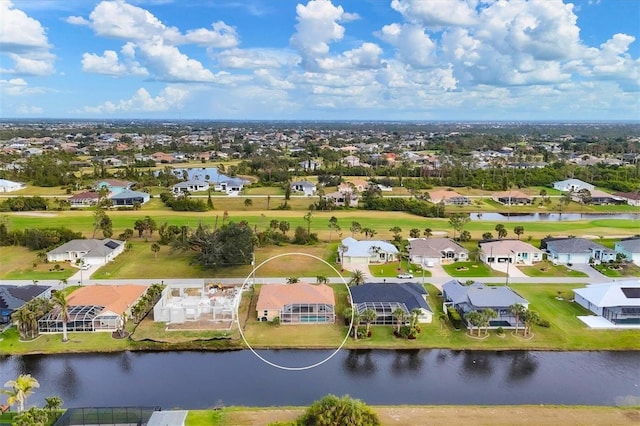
332	410
543	323
454	317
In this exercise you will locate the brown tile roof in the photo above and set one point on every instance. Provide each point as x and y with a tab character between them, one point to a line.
275	296
88	195
115	298
512	194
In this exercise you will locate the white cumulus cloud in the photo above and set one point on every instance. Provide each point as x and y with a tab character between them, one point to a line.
170	98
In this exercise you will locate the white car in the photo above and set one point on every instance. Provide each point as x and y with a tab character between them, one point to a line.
85	266
406	276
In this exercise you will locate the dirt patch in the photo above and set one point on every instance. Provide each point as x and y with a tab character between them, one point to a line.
35	214
492	415
202	324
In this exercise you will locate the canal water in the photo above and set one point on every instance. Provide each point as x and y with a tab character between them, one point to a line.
193	380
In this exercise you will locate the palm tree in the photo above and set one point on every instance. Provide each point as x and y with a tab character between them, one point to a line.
64	282
353	314
518	311
357	278
530	318
473	319
369	316
60	302
322	279
400	315
21	388
155	248
487	315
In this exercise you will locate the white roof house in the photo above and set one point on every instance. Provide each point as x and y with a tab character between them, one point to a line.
10	186
352	251
618	302
91	251
574	185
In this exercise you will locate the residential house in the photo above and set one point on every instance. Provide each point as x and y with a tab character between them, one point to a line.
304	186
448	197
479	296
114	186
232	186
84	199
351	161
129	198
572	185
600	197
298	303
90	251
184	302
510	198
95	308
310	165
190	186
10	186
512	251
436	251
343	198
161	157
384	299
576	251
353	252
630	248
632	198
618	302
12	297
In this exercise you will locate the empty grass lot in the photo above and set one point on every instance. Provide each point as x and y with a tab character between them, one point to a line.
16	263
548	269
470	269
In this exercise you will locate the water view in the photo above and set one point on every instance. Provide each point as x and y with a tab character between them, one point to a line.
550	217
203	379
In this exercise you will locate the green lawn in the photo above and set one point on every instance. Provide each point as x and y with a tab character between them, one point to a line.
626	270
392	269
17	263
470	269
548	269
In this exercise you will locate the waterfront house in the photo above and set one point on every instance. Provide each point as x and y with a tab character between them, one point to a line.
436	251
576	250
510	198
114	186
512	251
629	248
384	299
298	303
597	197
352	252
632	198
95	308
479	296
12	297
90	251
617	302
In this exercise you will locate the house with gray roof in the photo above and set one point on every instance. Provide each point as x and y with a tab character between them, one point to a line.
89	251
436	251
479	296
617	302
10	186
384	299
304	186
12	297
352	252
630	248
129	198
576	251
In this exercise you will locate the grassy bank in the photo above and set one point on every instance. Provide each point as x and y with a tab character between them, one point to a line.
438	414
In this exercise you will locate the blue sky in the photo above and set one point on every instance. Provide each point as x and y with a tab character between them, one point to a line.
321	59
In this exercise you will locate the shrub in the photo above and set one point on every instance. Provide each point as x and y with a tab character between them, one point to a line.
344	411
454	317
543	323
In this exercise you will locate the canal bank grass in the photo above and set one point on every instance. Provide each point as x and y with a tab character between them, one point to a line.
436	414
261	335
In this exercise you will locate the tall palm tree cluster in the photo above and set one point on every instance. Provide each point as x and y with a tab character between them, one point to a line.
146	302
407	325
480	319
27	316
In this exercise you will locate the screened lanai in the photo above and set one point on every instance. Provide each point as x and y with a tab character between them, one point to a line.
307	312
81	318
384	310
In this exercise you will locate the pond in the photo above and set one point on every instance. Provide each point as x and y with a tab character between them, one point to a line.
195	380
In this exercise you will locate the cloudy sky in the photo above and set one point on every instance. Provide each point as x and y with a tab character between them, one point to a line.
321	59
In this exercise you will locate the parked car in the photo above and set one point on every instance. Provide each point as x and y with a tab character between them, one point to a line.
85	266
406	276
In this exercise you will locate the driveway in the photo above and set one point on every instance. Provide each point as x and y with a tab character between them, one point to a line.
82	276
592	273
437	271
514	272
